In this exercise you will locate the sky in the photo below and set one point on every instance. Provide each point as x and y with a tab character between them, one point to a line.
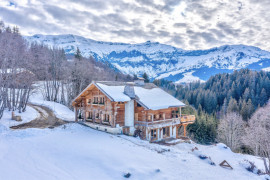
187	24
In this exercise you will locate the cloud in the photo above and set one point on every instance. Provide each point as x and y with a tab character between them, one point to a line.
188	24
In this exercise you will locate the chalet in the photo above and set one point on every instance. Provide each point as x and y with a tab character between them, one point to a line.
132	108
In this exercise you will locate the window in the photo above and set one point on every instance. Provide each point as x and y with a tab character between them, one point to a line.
166	131
157	117
89	101
101	100
153	134
95	100
97	115
174	114
89	115
138	105
107	118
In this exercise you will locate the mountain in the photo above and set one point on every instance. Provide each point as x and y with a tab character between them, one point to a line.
160	60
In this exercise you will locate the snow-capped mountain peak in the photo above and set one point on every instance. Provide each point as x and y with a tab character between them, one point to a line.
161	60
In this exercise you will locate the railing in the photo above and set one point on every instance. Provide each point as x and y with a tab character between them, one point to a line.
187	118
173	121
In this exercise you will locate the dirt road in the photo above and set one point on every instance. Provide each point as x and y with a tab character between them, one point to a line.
47	119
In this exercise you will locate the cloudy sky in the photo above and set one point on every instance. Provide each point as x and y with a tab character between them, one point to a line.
187	24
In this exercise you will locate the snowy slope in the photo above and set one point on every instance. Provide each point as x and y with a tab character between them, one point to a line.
77	152
266	69
73	151
60	111
160	60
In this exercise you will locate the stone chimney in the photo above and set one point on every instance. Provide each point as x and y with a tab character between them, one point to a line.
139	81
129	90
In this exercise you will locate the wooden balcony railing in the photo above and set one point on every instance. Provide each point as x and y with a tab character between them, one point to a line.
167	122
187	118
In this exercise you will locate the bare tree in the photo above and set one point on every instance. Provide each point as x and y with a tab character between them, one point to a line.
15	80
231	129
258	134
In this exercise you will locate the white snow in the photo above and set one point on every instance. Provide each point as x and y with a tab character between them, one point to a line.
188	77
157	60
61	111
115	92
29	115
74	151
156	98
266	69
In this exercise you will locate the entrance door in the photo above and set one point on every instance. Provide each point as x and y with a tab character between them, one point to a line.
153	134
166	132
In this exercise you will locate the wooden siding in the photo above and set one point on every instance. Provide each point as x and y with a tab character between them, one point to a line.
120	116
146	115
92	101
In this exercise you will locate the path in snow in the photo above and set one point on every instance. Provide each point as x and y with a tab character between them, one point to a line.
47	119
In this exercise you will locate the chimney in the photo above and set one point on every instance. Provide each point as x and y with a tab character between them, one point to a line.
139	81
129	90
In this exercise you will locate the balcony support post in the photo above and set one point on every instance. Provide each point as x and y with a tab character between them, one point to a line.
185	130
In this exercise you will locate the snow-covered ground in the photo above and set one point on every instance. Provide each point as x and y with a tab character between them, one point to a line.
61	111
266	69
188	78
27	116
74	151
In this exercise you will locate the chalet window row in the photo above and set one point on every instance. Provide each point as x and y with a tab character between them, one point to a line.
98	115
97	100
165	131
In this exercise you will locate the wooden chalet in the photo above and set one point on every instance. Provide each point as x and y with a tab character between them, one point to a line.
131	108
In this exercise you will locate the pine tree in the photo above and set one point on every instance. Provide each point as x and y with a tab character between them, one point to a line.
78	54
146	78
263	97
244	110
233	106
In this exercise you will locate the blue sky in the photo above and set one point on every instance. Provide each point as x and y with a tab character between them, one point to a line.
187	24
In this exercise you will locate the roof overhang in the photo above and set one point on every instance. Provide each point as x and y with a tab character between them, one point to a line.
92	84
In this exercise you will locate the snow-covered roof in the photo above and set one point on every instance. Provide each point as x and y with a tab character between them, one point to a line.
115	92
149	95
156	98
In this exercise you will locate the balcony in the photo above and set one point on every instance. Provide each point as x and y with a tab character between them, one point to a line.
186	119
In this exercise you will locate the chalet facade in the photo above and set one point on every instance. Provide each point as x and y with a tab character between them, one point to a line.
131	108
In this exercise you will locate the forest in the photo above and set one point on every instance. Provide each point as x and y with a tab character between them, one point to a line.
229	108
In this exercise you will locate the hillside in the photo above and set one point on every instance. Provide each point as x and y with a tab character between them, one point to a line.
160	60
74	151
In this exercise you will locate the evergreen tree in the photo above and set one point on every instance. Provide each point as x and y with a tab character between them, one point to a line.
146	78
233	106
78	54
263	97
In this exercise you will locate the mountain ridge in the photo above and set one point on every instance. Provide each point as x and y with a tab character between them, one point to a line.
161	60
